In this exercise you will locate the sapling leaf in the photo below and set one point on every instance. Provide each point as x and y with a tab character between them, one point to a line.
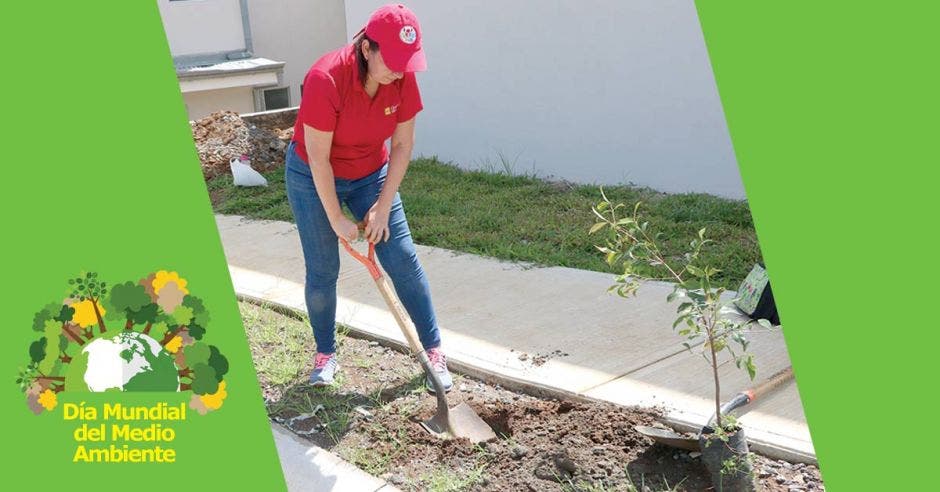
611	258
751	368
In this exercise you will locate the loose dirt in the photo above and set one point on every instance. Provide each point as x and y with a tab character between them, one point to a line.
224	135
370	419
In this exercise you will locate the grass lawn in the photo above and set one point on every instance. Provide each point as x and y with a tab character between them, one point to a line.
524	218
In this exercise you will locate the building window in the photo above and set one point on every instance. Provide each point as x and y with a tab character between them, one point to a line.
276	98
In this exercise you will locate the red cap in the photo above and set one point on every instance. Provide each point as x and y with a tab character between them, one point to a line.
395	28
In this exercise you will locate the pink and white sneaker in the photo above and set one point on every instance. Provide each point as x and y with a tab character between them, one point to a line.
324	369
439	364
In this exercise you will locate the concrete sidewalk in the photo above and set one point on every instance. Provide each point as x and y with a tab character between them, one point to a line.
309	468
496	317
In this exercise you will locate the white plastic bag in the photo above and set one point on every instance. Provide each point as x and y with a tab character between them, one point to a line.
244	175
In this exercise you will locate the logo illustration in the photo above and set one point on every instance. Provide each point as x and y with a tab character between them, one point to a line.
408	34
139	336
391	110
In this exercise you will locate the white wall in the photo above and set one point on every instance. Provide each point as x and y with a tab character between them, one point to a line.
202	26
297	32
606	91
202	103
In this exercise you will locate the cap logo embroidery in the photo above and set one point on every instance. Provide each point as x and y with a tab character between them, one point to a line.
408	35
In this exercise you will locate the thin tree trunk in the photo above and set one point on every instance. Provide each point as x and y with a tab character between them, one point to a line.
711	347
66	328
169	336
94	304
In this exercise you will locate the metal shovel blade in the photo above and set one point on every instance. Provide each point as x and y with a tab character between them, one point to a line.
668	437
460	421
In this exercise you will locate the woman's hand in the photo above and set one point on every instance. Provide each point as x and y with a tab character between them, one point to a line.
345	228
377	222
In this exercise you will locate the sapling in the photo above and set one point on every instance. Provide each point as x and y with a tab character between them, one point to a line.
631	246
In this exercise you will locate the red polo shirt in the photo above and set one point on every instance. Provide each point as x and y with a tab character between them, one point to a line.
335	101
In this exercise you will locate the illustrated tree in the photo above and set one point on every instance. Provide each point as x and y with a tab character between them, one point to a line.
202	361
180	319
218	362
88	290
202	379
41	366
133	300
62	315
200	317
197	353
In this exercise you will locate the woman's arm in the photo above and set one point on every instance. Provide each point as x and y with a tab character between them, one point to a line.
318	145
403	142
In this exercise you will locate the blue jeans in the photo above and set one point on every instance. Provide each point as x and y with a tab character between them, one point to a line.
321	251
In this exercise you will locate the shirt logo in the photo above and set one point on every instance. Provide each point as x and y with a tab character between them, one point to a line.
408	34
391	110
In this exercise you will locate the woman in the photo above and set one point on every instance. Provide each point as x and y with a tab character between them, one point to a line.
354	99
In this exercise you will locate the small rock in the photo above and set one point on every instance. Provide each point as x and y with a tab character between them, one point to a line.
764	474
362	411
373	344
597	450
781	479
397	479
564	463
518	452
694	454
796	488
546	473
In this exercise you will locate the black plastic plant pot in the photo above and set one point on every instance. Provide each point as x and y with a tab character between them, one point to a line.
727	460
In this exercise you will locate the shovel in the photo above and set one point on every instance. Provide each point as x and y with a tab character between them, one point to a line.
460	421
670	438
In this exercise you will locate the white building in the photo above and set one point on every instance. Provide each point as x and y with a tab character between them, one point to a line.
247	55
608	91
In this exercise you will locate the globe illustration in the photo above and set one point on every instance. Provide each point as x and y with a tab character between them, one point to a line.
130	361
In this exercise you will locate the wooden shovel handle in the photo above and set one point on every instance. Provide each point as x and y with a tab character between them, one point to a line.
401	316
767	386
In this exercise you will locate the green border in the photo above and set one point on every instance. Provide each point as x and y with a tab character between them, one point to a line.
832	109
100	174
